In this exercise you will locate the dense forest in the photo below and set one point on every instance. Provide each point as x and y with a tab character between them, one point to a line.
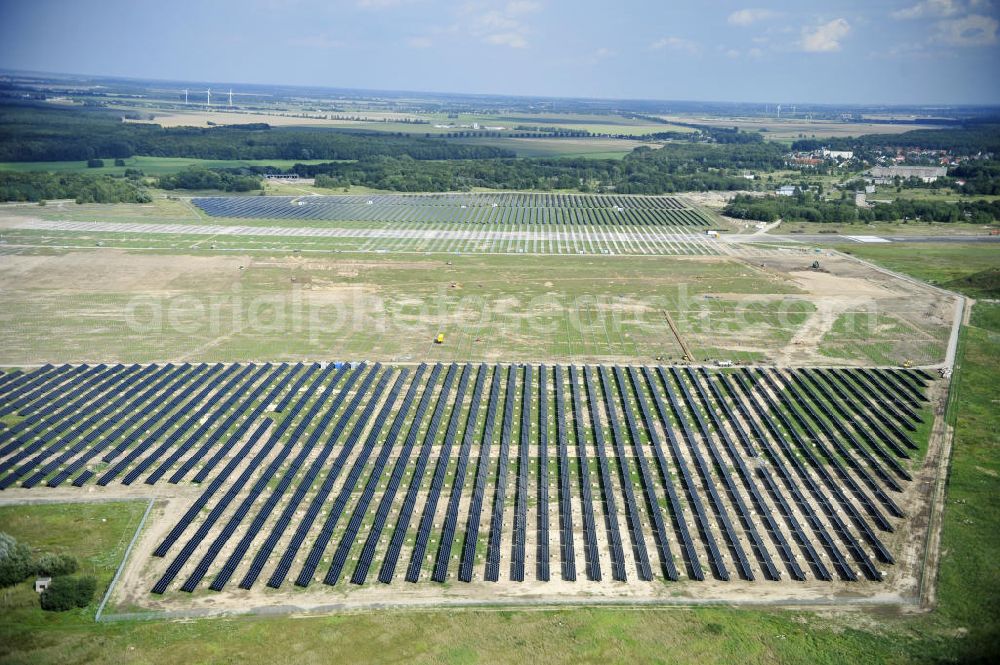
83	188
979	176
807	207
674	168
969	140
199	178
42	133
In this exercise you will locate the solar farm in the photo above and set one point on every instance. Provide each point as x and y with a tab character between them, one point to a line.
426	223
373	474
696	423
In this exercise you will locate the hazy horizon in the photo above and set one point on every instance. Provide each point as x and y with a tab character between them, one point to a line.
892	52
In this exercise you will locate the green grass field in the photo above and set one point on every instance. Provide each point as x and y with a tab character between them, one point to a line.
883	229
95	533
588	148
973	268
491	307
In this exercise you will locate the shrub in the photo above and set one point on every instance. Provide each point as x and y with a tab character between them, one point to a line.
55	565
119	162
15	560
95	163
65	593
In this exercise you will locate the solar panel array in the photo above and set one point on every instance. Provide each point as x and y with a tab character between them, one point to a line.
323	472
487	209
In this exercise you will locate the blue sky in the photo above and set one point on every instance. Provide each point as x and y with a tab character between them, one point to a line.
849	51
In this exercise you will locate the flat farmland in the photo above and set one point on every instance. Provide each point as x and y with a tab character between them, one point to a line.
590	148
120	305
789	129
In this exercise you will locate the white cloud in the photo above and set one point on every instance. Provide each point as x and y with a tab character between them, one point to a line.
971	30
502	26
676	44
736	54
517	7
511	39
496	21
824	38
745	17
420	42
928	9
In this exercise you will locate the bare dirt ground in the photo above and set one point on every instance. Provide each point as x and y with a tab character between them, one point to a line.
844	286
832	295
90	300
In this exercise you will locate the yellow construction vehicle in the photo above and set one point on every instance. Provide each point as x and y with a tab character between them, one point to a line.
439	339
907	364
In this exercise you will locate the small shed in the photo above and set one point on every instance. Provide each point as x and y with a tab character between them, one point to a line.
42	583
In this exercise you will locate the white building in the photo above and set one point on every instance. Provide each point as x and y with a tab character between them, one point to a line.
838	154
884	175
786	190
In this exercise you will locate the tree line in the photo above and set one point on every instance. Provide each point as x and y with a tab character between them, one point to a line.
971	139
673	168
201	178
81	187
807	207
39	133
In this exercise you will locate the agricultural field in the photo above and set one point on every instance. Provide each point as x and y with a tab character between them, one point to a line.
789	129
589	148
375	120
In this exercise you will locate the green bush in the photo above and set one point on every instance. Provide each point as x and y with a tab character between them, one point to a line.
65	593
55	565
15	561
95	163
84	187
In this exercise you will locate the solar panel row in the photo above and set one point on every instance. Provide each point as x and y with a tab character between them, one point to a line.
354	525
451	516
437	481
542	499
831	448
494	209
567	552
366	557
229	567
257	565
388	569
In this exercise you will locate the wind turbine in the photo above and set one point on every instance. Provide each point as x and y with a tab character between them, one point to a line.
230	98
779	110
208	98
185	96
